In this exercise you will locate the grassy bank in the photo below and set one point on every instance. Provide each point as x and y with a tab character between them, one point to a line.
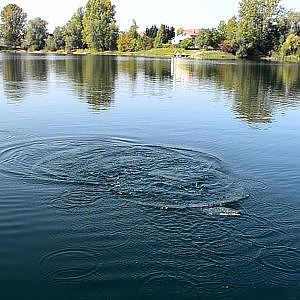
155	52
164	53
168	53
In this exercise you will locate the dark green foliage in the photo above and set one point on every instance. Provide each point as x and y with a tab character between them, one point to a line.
57	40
152	31
258	21
12	26
146	43
36	34
208	38
167	32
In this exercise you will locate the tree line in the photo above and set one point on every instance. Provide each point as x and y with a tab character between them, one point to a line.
260	28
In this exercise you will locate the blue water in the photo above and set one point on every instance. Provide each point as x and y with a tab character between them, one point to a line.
123	178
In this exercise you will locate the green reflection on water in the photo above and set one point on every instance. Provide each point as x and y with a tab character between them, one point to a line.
257	90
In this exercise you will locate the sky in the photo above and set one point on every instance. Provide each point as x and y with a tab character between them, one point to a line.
186	14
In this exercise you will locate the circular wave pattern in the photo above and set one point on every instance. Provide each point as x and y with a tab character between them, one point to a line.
5	136
74	197
148	175
69	264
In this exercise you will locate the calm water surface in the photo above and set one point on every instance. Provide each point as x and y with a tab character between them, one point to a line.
124	178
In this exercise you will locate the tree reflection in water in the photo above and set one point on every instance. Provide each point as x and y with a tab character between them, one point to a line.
257	90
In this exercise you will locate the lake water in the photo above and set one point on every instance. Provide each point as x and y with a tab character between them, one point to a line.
130	178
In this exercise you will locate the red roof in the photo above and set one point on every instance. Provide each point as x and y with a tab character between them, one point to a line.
191	32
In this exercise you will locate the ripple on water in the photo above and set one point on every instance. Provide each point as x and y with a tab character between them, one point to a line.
283	264
74	198
5	137
69	264
147	175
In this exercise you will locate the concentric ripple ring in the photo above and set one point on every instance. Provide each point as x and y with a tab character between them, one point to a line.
149	175
69	264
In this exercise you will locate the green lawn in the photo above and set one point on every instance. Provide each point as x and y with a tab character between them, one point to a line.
169	52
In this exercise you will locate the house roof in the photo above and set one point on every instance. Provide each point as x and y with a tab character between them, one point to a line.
191	32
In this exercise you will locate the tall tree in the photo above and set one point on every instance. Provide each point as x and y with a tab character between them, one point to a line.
159	40
36	34
152	31
169	34
293	22
256	25
130	41
13	20
56	41
209	38
99	25
133	31
74	30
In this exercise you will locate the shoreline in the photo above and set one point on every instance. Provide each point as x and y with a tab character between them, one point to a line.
163	53
152	53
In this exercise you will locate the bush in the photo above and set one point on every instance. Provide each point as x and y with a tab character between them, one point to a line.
227	46
187	43
127	43
146	43
291	46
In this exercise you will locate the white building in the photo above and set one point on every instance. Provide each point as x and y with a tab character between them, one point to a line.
186	34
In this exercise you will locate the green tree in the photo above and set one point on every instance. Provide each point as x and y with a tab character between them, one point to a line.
57	40
152	31
227	35
231	29
168	32
292	45
133	31
73	31
187	43
257	22
99	25
222	31
130	41
179	30
208	38
293	22
159	40
13	20
36	34
146	43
